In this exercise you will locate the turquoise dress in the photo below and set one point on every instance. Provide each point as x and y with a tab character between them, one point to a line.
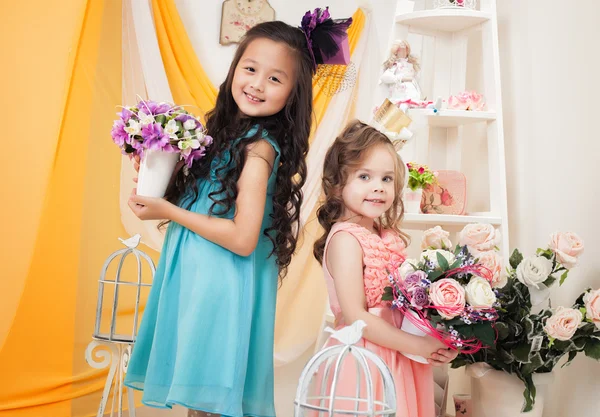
206	337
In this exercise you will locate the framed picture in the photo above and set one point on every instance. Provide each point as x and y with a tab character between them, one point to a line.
238	16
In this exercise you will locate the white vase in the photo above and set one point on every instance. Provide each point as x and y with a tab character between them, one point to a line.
156	170
412	200
409	327
500	394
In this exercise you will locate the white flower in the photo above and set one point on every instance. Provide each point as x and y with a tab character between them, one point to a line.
187	145
534	270
479	293
431	255
133	128
187	134
145	119
407	267
171	129
190	124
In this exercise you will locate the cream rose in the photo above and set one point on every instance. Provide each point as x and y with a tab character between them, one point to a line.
534	270
492	261
567	247
479	237
407	267
436	238
431	255
563	324
449	296
479	293
592	306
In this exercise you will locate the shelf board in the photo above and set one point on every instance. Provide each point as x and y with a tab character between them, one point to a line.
452	118
443	20
448	219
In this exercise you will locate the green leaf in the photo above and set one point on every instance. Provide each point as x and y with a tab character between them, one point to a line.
435	275
521	353
535	362
388	294
529	394
485	333
572	355
502	329
563	277
551	280
592	348
458	362
161	119
442	262
515	259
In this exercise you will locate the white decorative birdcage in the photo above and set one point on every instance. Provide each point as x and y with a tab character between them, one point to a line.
316	393
113	348
458	4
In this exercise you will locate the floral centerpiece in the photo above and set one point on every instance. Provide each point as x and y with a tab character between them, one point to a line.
419	177
160	134
467	100
530	343
448	293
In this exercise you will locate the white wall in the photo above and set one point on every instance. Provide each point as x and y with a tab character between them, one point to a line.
550	65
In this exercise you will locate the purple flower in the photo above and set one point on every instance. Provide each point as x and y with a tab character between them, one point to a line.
414	278
420	299
118	133
154	137
195	154
125	115
207	141
152	107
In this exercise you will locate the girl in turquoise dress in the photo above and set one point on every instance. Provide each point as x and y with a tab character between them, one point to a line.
206	338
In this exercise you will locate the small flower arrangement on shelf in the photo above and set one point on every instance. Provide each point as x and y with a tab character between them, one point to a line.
533	343
449	292
419	177
467	100
467	4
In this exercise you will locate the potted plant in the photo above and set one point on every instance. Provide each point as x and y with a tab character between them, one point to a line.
419	177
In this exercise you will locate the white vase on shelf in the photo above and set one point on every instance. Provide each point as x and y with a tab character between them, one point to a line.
412	200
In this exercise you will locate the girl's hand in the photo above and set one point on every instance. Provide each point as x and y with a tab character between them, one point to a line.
149	208
442	357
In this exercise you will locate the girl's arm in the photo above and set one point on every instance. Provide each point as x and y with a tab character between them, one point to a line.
240	234
344	261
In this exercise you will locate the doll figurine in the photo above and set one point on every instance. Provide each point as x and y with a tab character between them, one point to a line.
400	72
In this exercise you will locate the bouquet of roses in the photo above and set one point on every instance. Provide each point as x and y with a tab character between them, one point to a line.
160	127
531	343
448	293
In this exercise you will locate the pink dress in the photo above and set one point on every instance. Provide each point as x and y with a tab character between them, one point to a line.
414	381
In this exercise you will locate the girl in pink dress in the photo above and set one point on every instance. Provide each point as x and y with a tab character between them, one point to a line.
363	177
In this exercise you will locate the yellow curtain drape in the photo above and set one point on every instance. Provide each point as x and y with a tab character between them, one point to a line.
72	169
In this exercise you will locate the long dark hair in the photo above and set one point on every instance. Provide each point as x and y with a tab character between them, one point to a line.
290	128
343	157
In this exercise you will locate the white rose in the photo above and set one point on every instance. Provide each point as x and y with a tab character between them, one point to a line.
407	267
432	256
479	293
436	238
534	270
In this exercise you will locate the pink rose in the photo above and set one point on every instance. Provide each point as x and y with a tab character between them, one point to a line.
563	324
493	264
592	306
436	238
479	237
567	247
476	101
448	296
460	101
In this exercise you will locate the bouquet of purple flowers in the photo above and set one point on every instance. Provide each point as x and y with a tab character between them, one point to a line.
152	126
